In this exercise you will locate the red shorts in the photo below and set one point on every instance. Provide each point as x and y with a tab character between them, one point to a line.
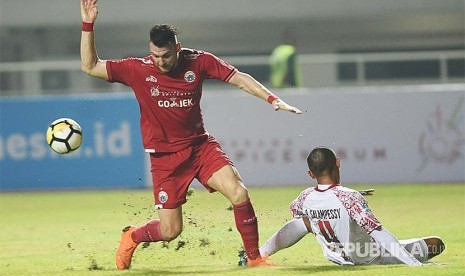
173	172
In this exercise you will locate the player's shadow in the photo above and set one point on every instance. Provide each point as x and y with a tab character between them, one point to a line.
289	270
323	268
177	272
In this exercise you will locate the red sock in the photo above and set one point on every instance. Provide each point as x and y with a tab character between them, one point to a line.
246	223
150	232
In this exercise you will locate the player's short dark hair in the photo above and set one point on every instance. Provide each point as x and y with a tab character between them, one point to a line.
321	161
161	35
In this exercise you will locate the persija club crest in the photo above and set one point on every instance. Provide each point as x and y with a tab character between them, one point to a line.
189	76
162	196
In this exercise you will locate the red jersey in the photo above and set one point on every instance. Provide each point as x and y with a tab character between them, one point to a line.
170	114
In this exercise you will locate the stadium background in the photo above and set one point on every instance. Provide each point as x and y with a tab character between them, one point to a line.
383	84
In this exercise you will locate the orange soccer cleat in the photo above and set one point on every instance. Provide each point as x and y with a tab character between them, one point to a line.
258	262
126	248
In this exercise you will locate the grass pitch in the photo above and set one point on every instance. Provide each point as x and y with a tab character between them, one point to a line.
77	232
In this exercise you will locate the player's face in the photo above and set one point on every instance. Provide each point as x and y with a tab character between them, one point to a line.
166	58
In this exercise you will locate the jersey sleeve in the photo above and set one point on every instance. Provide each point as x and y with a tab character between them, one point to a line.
121	71
298	203
358	210
216	68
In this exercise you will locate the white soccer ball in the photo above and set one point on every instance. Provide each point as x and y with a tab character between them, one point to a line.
64	135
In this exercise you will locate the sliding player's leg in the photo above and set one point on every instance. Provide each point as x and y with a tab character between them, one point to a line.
423	249
289	234
435	246
417	247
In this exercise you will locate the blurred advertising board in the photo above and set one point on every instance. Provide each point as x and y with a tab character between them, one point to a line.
390	134
111	154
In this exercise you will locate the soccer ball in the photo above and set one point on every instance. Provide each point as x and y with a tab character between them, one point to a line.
64	135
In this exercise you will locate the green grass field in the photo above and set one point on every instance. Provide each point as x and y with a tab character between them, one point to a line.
77	232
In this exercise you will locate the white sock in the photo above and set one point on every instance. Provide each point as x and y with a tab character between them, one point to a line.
288	235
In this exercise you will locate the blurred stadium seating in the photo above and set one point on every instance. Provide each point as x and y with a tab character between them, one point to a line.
366	43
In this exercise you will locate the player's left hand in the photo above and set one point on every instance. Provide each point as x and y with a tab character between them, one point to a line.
367	192
280	104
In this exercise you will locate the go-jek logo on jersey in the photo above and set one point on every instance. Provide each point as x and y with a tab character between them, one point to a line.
175	102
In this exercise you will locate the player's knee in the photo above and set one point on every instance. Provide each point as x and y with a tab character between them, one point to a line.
171	232
239	195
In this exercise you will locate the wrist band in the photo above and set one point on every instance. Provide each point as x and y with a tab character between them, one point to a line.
271	98
87	27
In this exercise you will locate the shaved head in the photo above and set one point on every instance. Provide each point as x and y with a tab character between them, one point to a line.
321	161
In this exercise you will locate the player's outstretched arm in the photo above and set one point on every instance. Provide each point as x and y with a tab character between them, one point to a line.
90	63
289	234
250	85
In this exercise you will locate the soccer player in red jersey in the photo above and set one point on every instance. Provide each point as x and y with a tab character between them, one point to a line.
168	87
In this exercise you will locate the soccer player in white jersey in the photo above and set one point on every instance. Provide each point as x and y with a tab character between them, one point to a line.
343	224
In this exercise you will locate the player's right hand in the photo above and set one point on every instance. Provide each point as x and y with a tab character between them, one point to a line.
89	10
279	104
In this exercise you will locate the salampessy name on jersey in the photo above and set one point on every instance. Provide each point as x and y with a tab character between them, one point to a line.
324	213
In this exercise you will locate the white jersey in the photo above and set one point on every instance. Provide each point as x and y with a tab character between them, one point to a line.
341	221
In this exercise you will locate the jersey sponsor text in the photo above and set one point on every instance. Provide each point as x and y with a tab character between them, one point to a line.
174	102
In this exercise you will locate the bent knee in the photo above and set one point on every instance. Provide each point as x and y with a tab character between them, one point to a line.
239	195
